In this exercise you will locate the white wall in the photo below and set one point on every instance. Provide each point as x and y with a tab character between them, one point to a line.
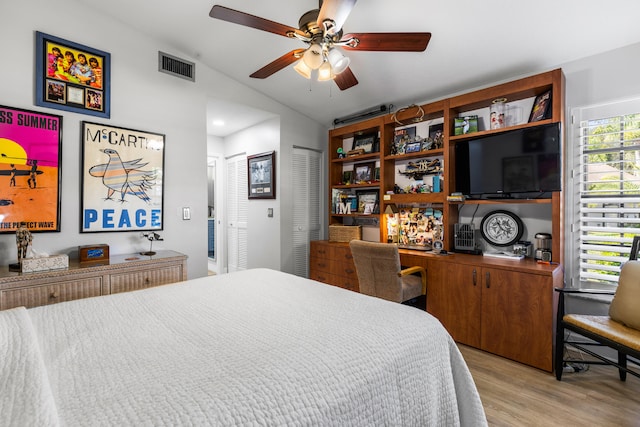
143	99
261	138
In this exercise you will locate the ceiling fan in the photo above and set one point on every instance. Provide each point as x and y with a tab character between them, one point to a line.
321	30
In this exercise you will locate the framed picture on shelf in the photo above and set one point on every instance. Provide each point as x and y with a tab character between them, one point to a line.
31	144
72	77
541	107
364	172
262	175
365	142
464	125
413	147
368	201
122	184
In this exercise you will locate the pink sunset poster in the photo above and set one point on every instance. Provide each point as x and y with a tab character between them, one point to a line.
30	144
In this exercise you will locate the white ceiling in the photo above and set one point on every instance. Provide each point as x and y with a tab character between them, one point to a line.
473	43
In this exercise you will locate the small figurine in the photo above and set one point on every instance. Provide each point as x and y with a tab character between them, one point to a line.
340	152
152	237
23	240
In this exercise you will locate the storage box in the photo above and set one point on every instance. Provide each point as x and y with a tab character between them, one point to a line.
345	233
53	262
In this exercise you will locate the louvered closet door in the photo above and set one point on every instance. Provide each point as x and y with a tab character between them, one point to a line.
237	213
307	216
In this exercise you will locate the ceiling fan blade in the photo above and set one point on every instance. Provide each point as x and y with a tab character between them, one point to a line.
390	42
237	17
277	65
335	10
346	79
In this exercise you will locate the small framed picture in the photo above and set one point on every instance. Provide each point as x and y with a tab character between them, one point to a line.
368	202
464	125
364	172
541	107
413	147
261	169
365	142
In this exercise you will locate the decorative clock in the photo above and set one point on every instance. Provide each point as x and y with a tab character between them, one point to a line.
501	228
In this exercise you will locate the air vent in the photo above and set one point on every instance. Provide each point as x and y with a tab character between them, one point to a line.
176	66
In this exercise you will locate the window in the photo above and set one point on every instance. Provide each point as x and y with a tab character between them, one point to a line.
607	187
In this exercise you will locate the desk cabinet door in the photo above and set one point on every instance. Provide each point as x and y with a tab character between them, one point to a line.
517	316
454	297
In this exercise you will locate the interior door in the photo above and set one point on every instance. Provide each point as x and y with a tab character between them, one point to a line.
237	213
307	213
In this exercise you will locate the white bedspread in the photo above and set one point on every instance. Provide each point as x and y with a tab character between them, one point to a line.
257	347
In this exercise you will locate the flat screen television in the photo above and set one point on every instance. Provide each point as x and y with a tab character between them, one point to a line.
515	164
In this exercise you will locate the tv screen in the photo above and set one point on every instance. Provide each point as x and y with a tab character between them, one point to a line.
510	163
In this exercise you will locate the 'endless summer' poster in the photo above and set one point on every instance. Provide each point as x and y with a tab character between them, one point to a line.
30	144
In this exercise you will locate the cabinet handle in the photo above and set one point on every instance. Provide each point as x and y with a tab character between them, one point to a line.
146	280
475	277
348	271
54	294
487	277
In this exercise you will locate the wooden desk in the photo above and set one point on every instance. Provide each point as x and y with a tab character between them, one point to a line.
506	307
124	273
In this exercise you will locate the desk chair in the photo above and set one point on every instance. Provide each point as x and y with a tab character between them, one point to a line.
619	331
381	275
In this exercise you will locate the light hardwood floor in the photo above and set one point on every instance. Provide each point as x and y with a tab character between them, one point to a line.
515	395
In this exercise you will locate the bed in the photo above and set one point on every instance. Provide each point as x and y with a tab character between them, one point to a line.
255	347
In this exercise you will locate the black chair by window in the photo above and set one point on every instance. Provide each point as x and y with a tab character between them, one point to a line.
620	330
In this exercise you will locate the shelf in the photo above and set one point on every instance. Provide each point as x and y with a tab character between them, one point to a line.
358	158
356	186
545	201
474	135
410	198
354	215
427	153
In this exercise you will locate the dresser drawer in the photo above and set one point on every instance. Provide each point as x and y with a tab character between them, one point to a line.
50	294
346	269
320	264
342	254
321	250
135	280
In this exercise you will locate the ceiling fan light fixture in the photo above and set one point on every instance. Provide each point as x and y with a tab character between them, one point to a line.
302	69
338	61
325	72
313	57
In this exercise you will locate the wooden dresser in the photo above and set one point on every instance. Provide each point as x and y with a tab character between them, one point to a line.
332	263
123	273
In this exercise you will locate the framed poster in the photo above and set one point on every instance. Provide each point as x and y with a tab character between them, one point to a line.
122	179
262	175
30	170
72	77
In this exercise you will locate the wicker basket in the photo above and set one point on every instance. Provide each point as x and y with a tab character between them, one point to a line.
345	233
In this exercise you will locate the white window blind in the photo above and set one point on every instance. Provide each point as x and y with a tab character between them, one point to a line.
608	169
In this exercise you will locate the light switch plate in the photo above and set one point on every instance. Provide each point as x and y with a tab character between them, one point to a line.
186	213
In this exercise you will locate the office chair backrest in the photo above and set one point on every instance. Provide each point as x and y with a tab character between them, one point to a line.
377	265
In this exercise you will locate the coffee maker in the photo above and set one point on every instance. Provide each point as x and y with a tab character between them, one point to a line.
543	247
